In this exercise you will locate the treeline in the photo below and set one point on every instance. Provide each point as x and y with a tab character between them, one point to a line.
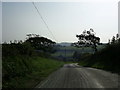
20	60
108	58
15	49
28	47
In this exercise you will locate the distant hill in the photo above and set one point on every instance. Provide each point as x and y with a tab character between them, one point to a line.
69	44
64	44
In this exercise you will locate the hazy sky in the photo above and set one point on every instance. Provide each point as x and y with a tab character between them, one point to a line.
65	19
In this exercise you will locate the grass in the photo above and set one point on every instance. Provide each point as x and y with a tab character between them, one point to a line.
83	63
41	68
106	59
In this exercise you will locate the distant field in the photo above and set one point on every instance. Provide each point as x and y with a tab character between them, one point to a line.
68	51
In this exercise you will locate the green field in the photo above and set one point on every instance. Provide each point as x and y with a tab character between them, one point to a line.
68	51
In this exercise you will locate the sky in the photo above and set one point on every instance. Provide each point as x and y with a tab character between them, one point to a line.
64	19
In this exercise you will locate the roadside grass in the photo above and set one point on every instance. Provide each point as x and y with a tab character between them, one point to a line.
39	69
43	67
95	65
81	63
107	59
99	65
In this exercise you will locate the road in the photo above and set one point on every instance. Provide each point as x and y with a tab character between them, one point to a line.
75	76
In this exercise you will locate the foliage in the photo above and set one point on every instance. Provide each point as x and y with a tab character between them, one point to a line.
41	43
26	72
23	65
76	56
114	39
107	58
14	49
86	39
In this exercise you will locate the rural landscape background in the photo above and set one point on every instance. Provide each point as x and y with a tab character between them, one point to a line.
34	49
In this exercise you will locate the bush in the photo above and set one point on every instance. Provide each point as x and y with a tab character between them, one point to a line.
14	49
107	58
23	66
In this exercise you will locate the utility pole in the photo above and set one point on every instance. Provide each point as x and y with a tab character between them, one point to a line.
65	53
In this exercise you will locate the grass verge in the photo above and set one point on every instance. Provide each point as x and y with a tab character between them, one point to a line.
39	67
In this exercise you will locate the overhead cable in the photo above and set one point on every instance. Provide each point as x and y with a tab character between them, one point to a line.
43	20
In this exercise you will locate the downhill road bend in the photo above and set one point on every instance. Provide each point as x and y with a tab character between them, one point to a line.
75	76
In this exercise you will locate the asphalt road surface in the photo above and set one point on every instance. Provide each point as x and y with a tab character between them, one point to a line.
75	76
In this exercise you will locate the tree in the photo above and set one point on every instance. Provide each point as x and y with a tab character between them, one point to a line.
113	40
88	38
117	36
41	43
76	56
109	42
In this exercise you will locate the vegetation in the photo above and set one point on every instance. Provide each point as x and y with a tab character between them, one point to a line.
27	63
71	53
41	43
87	39
107	58
23	66
25	72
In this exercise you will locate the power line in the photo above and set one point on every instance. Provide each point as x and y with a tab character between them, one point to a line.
43	20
